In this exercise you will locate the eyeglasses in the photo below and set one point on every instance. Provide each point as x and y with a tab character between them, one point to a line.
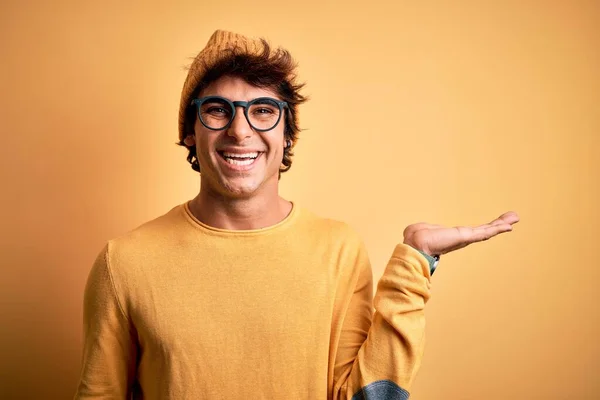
217	113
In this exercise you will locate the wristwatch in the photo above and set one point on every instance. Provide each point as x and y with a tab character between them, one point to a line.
433	261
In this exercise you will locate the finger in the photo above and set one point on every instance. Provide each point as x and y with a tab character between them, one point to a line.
510	217
442	241
486	232
466	235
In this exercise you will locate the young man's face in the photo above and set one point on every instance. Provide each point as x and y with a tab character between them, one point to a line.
219	152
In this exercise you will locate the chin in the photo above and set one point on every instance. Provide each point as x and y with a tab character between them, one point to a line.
241	187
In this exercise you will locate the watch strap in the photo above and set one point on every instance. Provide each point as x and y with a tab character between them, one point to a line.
433	261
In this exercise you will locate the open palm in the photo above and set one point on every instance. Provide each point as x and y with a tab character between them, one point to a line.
437	239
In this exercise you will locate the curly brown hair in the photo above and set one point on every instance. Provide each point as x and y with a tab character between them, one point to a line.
271	69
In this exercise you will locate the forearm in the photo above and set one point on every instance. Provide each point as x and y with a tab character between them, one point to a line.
390	357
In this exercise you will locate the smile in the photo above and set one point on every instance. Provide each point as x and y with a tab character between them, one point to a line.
239	161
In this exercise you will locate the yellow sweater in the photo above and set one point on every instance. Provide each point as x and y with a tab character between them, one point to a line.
179	310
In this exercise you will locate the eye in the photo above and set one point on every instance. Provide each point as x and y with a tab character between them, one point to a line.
216	110
263	110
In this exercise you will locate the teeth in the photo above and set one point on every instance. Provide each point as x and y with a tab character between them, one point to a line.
239	162
240	158
240	155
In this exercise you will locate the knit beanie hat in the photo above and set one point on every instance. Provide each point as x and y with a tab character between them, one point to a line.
220	44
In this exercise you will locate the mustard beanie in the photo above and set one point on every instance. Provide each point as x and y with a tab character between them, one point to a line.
220	44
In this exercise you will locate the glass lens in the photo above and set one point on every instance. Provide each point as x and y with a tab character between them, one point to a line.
263	114
215	113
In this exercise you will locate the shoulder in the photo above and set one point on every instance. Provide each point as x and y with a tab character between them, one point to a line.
331	230
339	246
149	238
126	260
161	225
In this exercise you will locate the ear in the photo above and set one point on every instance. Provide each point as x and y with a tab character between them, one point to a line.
189	140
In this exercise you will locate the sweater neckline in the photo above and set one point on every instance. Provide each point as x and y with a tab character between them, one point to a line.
288	220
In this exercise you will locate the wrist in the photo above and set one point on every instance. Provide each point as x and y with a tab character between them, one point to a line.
433	260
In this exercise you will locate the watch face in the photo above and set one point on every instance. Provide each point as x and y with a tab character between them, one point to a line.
433	260
435	264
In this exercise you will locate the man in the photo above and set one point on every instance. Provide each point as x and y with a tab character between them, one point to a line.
241	294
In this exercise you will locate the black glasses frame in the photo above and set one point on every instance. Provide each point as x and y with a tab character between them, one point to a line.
234	104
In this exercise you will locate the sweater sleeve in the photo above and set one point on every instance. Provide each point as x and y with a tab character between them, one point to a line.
378	355
109	351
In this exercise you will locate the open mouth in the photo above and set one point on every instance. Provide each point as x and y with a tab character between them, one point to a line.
240	159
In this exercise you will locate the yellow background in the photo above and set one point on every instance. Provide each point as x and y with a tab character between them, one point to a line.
450	112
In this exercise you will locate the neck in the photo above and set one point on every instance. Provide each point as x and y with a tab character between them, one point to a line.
254	212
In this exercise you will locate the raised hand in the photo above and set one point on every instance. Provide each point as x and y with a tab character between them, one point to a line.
437	239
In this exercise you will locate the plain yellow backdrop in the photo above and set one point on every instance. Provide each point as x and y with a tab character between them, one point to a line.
449	112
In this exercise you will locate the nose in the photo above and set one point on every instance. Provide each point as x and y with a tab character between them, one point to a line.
240	128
